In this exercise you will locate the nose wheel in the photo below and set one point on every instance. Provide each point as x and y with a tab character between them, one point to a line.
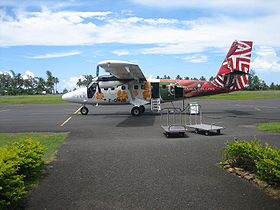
84	110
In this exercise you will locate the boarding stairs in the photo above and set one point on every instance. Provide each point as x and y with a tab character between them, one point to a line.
155	104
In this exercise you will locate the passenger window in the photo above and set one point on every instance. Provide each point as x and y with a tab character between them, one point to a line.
105	88
123	87
112	88
135	87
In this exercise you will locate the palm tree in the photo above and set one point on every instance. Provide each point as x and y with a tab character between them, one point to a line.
85	82
55	80
50	82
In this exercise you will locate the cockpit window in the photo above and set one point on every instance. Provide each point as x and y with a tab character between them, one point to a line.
91	90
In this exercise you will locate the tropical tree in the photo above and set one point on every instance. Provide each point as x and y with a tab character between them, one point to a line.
179	77
50	82
65	91
211	78
85	81
202	78
56	81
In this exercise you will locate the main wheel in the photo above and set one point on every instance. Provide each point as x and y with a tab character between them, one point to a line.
84	110
142	109
135	111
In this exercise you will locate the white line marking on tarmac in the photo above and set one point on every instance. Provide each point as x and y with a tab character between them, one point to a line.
256	108
5	110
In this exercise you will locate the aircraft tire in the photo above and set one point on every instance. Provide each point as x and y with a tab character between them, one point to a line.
84	110
136	111
142	109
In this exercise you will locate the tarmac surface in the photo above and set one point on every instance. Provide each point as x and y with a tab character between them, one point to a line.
111	160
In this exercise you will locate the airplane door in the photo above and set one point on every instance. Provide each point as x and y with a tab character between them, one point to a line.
179	92
155	90
91	90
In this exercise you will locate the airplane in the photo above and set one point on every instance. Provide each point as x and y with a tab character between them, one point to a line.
126	83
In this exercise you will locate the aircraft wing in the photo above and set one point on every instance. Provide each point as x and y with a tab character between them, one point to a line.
123	70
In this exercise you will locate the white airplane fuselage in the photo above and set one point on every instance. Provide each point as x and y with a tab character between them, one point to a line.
111	94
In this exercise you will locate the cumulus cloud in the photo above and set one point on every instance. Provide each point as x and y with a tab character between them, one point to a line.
56	55
196	58
267	60
121	52
166	36
71	83
28	74
229	4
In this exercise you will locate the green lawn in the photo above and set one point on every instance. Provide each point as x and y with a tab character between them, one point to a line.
261	91
50	140
273	127
232	96
39	99
36	99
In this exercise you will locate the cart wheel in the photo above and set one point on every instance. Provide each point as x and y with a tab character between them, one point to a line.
206	133
219	131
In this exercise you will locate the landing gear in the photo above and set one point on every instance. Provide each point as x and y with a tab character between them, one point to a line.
142	109
84	110
136	111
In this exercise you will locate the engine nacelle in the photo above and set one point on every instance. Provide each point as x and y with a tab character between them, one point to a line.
109	84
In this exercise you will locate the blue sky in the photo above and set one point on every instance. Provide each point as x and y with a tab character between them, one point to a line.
189	38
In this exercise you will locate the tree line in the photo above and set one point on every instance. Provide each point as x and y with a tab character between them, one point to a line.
254	82
16	84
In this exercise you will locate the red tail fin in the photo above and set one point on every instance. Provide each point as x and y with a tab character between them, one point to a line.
234	71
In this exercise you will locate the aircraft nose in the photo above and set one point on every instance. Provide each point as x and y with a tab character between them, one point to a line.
67	97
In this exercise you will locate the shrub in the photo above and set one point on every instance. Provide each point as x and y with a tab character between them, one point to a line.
264	161
18	161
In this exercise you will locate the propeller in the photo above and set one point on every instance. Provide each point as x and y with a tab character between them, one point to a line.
97	74
97	71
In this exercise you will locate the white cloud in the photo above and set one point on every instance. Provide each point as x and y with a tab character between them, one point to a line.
161	21
71	83
166	36
229	4
28	74
56	55
6	73
121	52
196	58
266	60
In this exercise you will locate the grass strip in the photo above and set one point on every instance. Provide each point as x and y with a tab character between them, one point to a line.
36	99
41	99
235	96
273	127
49	140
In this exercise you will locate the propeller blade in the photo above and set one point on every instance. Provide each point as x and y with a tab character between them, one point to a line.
99	89
97	71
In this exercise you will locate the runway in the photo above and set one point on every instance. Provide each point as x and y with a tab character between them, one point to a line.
112	160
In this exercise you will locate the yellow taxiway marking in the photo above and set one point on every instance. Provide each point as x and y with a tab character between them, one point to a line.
78	110
69	118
